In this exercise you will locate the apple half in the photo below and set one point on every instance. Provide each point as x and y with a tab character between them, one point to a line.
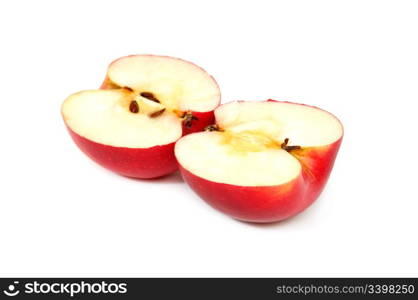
144	106
261	161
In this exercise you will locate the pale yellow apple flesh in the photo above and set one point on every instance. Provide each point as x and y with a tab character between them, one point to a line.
103	116
177	84
127	116
249	148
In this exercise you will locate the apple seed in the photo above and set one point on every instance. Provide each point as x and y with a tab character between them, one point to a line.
149	96
157	113
134	107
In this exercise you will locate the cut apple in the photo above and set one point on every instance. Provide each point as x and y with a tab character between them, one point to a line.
144	106
261	161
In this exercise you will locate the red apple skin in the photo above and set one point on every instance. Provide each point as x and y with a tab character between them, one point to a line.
204	119
144	163
317	164
266	204
251	204
141	163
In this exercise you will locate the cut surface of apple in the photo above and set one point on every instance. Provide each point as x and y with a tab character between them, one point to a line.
145	102
258	155
177	84
103	116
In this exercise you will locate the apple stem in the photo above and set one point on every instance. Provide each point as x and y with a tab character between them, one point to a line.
284	146
134	107
188	118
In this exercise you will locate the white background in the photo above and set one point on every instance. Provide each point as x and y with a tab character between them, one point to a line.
62	215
